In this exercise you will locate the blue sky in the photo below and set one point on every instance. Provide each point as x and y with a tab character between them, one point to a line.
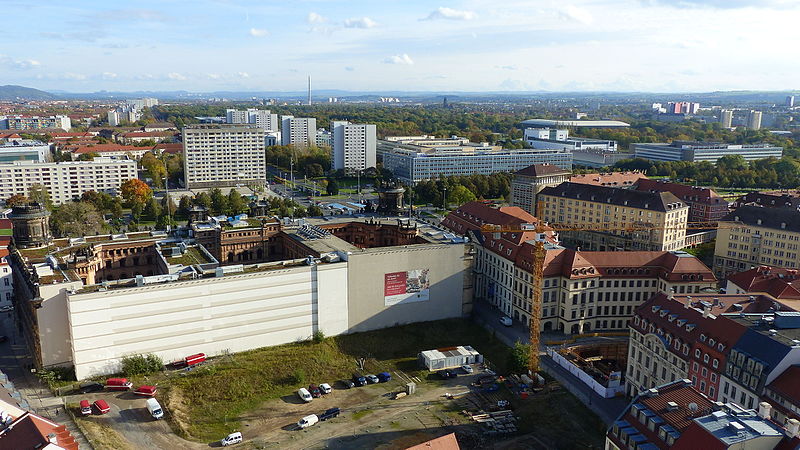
472	45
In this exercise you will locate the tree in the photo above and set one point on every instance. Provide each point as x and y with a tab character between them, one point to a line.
332	188
136	192
116	208
76	220
460	195
518	358
88	156
38	193
184	205
155	169
152	209
236	204
101	201
219	203
315	211
203	199
168	207
16	200
299	212
315	170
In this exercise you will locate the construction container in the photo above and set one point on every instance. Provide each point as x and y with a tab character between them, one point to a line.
449	357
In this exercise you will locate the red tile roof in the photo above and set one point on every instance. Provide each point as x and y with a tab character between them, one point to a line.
683	395
471	216
788	384
611	179
778	282
169	147
682	191
107	148
540	170
30	431
10	136
66	136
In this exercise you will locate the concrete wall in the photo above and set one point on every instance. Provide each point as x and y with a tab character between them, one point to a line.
366	285
233	313
54	335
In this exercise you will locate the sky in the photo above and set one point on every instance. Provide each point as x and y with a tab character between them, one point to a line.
401	45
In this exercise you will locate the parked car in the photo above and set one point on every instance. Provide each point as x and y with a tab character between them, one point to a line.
86	407
304	395
101	406
446	373
329	414
146	391
325	388
467	368
154	408
347	384
506	321
383	377
89	386
314	390
359	379
307	421
233	438
372	379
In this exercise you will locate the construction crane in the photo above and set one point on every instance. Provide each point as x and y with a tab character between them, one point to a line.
540	253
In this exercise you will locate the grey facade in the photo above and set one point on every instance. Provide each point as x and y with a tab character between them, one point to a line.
702	151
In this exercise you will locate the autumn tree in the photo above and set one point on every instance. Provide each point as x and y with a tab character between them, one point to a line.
154	168
16	200
76	220
136	193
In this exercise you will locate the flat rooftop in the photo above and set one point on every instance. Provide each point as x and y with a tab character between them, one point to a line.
545	123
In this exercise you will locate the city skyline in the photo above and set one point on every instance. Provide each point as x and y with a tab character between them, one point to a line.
473	45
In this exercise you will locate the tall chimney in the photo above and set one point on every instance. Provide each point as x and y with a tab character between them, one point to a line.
309	89
764	410
792	427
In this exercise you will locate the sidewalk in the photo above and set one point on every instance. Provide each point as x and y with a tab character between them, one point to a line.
15	362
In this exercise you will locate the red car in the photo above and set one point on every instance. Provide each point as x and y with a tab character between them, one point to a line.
86	408
146	391
314	390
102	407
118	384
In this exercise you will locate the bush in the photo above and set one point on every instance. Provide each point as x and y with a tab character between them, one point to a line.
518	359
141	364
318	336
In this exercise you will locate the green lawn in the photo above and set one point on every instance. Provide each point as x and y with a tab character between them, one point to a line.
208	401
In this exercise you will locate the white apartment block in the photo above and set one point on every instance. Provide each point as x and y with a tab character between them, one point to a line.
141	103
35	122
262	118
223	155
298	131
354	146
6	279
66	181
113	118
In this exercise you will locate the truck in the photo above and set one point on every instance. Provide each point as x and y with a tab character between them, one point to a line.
154	408
307	421
118	384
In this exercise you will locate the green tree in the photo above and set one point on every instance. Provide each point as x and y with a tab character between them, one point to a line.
38	193
236	204
76	220
299	212
184	205
518	358
460	195
219	203
315	211
203	199
88	156
332	188
152	209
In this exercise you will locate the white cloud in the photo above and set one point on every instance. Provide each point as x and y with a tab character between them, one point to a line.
451	14
109	75
506	67
18	64
314	18
74	76
258	32
360	22
243	74
176	76
213	76
399	59
349	68
575	14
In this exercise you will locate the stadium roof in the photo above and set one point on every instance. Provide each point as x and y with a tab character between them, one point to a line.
541	123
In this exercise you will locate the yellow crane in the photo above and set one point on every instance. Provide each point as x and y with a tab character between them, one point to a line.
539	254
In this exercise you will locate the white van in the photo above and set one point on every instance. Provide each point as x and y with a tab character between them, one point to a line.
233	438
154	408
304	395
307	421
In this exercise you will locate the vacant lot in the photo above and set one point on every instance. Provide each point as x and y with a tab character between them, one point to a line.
209	402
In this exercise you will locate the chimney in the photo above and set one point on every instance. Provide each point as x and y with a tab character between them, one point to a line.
792	428
52	438
764	410
706	311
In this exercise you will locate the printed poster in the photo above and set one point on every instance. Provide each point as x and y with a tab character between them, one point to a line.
406	287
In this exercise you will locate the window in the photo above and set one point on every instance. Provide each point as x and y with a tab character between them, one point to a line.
697	353
715	363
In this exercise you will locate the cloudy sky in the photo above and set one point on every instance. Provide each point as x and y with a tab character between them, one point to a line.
374	45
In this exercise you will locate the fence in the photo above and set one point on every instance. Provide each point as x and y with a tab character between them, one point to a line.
585	378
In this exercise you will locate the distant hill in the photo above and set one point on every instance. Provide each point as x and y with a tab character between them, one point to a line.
11	92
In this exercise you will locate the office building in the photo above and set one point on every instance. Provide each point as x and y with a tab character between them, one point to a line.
354	146
658	218
528	182
112	150
704	151
262	118
790	101
676	416
35	122
269	284
751	236
413	163
66	181
754	120
298	131
14	148
705	205
585	151
726	118
223	155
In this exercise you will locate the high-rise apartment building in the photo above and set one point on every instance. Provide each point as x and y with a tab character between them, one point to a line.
141	103
262	118
754	120
790	101
223	155
298	131
66	181
353	146
726	118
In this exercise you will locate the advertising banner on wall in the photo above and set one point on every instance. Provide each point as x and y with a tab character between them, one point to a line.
406	287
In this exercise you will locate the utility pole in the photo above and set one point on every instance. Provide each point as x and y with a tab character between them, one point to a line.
444	200
291	178
358	189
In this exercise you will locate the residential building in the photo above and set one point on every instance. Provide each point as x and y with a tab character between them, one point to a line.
6	277
627	179
752	236
66	181
354	146
262	118
605	218
783	395
772	199
754	120
14	148
133	137
779	282
114	118
705	205
472	216
726	118
35	122
159	126
24	429
273	284
324	138
704	151
790	101
528	182
413	163
223	155
141	103
674	416
111	150
298	131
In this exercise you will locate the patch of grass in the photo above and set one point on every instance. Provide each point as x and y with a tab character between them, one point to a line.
101	435
212	398
358	415
561	419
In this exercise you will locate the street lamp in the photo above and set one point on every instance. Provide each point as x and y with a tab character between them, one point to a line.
444	200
